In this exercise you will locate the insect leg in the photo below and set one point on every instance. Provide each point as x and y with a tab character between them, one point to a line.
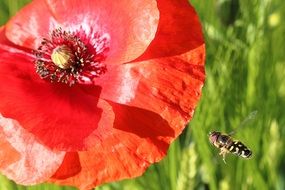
223	153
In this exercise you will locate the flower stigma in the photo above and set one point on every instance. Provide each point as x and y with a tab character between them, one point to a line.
62	57
72	57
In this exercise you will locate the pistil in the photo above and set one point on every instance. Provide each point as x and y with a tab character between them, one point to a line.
62	56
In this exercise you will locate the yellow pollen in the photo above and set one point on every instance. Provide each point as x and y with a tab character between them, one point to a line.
62	56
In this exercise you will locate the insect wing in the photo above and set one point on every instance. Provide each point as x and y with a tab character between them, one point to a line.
250	117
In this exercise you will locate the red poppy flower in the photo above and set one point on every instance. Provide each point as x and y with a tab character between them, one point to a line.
93	91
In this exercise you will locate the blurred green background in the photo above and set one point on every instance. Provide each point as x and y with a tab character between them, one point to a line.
245	72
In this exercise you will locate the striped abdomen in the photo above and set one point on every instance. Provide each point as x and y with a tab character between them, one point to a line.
238	148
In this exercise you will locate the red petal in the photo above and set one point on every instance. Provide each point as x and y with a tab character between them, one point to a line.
69	167
130	24
169	86
23	158
6	44
3	39
62	117
139	138
15	63
30	25
179	30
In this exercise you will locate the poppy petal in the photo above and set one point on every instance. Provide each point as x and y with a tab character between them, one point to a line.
62	117
170	86
3	38
131	25
139	139
21	152
30	25
179	30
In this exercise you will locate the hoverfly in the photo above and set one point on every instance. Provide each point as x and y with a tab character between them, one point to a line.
227	144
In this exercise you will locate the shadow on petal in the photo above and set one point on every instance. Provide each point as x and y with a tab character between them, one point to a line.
145	124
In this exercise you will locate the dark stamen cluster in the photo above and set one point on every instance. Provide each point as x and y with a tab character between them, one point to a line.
84	62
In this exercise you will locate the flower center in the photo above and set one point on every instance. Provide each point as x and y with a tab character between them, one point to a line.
72	58
62	57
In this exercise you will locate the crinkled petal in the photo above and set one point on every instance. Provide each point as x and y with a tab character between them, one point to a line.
170	86
131	25
23	158
61	117
139	139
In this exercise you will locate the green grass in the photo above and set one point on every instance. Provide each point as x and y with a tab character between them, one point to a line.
245	72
